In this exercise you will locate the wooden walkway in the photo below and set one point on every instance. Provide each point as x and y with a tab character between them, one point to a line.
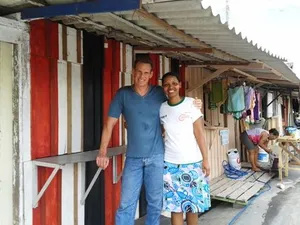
241	190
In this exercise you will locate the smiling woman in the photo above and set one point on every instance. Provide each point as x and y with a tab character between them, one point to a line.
186	155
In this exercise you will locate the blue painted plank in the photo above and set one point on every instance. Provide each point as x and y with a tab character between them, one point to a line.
99	6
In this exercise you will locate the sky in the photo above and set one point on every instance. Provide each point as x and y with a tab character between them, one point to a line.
272	24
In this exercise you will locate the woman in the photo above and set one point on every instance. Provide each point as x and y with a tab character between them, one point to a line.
186	188
257	137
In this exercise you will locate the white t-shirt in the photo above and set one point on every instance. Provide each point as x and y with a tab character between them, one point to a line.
180	143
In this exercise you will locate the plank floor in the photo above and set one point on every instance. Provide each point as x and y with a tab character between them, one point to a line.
241	190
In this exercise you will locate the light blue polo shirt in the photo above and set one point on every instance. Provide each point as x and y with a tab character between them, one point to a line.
144	137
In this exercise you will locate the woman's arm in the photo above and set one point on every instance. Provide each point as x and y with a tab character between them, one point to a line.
263	142
199	134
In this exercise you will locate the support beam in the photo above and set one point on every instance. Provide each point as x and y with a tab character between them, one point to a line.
165	49
98	6
274	99
231	64
249	76
219	63
209	78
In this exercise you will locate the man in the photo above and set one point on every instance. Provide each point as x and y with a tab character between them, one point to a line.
257	137
140	104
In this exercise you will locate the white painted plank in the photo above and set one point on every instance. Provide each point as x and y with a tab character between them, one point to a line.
250	192
62	108
223	187
129	59
81	190
6	134
67	197
217	179
219	184
230	190
167	64
28	198
241	190
71	45
254	176
266	177
76	108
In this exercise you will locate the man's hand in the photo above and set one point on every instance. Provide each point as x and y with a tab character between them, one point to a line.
102	161
198	103
205	168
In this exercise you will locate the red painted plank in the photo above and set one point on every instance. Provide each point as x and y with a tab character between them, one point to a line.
37	38
40	107
182	78
116	134
107	96
44	116
156	69
52	50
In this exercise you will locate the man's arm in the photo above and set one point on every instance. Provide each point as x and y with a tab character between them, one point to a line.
199	134
102	160
106	134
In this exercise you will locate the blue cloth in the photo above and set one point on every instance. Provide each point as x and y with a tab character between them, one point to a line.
186	189
236	101
136	171
144	137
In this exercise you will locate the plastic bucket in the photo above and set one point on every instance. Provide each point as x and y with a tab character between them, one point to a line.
234	158
263	156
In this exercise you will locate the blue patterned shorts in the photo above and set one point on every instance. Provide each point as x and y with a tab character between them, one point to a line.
186	189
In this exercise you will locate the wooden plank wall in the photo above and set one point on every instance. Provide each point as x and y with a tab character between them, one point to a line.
57	119
217	152
44	116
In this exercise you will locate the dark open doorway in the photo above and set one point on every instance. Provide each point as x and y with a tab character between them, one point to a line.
93	52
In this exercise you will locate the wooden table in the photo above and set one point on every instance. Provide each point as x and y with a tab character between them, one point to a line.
284	143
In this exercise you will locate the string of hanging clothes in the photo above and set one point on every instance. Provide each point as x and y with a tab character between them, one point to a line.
238	99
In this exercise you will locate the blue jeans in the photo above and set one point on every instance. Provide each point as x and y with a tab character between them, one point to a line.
136	171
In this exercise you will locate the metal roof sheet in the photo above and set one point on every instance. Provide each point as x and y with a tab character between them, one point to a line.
201	26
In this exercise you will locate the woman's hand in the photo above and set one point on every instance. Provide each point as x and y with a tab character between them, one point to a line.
205	168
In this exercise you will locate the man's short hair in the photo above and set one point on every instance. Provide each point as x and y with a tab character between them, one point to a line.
145	60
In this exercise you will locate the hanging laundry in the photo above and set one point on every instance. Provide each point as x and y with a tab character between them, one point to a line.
249	98
211	105
295	103
217	92
256	110
236	101
223	108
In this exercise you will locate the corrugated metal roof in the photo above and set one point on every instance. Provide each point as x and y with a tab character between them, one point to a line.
190	17
192	25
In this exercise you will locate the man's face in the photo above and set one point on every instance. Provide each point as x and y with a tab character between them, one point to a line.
142	74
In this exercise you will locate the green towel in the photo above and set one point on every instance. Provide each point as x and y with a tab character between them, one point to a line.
217	92
211	106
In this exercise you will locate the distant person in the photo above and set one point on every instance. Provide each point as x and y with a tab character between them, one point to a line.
186	167
257	137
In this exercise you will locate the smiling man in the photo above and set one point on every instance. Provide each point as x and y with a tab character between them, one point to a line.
140	104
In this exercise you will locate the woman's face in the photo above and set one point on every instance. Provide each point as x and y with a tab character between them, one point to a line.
171	86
